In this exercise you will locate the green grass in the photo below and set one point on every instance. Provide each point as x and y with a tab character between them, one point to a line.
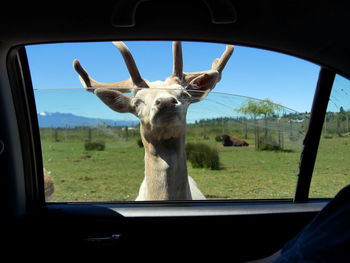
332	168
245	173
79	175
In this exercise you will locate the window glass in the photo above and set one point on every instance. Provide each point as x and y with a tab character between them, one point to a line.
242	140
332	171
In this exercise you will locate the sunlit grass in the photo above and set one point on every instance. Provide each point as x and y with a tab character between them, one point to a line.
116	173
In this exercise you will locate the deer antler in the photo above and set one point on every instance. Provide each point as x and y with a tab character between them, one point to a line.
122	86
178	64
91	84
131	65
218	65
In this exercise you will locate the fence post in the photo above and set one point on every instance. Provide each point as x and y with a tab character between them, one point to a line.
257	135
223	126
56	135
126	133
265	129
245	128
89	135
279	134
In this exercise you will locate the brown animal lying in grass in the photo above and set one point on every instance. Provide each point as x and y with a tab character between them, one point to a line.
228	140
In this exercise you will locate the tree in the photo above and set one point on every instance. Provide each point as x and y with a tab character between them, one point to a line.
258	108
264	107
342	114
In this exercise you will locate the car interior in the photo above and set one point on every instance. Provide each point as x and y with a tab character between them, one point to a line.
241	229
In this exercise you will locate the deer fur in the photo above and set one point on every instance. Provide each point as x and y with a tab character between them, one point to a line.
161	108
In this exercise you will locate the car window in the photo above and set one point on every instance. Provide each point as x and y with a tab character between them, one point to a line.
331	172
241	140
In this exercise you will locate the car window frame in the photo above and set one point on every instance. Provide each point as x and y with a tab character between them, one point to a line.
24	103
21	87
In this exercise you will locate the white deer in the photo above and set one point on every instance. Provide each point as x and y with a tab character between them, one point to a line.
161	108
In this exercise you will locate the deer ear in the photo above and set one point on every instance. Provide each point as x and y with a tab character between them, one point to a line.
202	85
116	100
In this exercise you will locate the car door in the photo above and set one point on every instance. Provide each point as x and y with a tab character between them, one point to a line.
243	229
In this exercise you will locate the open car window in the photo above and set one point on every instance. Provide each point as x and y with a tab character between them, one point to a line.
243	138
331	172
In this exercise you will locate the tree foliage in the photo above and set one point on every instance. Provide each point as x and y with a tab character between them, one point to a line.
342	114
264	107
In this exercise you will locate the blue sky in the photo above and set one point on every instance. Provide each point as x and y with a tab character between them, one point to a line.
250	72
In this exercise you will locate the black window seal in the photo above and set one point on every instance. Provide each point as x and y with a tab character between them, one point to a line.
24	102
313	135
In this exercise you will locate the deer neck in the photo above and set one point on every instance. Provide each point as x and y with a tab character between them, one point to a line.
166	169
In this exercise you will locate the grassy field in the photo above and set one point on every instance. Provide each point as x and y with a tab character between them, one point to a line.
332	169
116	173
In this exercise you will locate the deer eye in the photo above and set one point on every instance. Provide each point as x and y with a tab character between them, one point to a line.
138	102
185	96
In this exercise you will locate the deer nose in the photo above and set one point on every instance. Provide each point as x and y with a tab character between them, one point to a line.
169	102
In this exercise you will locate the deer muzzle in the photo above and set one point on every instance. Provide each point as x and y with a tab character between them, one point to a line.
166	103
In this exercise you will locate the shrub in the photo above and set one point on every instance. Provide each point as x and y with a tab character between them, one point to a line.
95	146
269	147
201	155
218	138
273	147
139	143
269	144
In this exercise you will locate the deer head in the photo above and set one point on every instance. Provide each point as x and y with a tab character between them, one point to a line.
160	106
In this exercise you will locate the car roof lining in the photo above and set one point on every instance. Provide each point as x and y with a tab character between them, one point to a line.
302	29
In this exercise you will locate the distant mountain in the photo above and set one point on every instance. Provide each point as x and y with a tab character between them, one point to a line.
62	120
